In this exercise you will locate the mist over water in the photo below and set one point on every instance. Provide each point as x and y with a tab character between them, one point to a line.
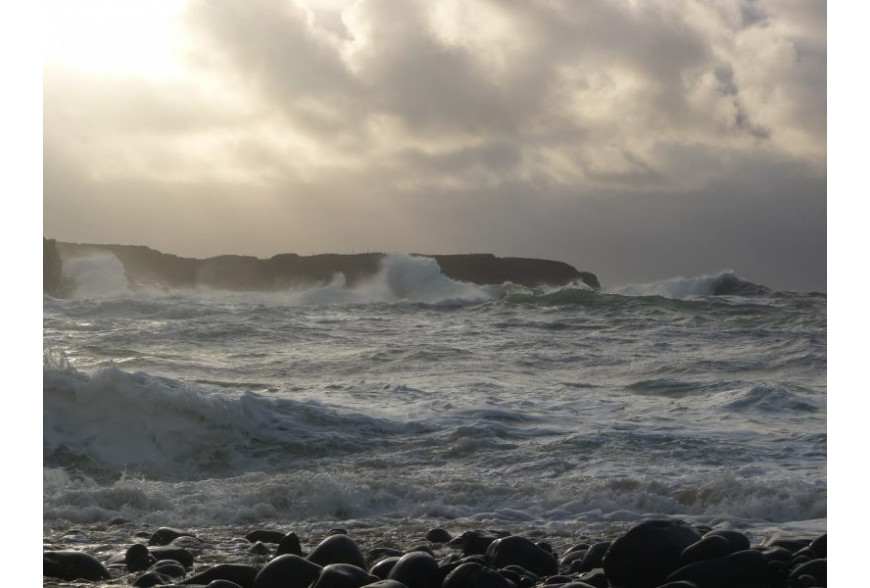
416	396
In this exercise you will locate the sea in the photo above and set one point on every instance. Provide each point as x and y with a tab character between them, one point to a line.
414	401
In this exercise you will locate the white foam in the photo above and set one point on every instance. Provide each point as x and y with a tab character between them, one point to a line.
679	287
100	275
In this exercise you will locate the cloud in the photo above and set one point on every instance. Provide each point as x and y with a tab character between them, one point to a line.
546	127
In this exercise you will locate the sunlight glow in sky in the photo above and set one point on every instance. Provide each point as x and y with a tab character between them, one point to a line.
638	140
115	37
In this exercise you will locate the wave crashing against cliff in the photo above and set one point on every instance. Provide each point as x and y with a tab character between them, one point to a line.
144	266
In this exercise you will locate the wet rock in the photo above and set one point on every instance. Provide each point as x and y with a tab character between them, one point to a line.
385	584
342	575
289	544
166	535
819	546
817	568
152	578
383	568
473	542
243	575
182	556
710	547
337	549
747	569
287	571
737	540
379	553
594	556
73	565
647	553
138	558
417	570
520	551
475	575
438	536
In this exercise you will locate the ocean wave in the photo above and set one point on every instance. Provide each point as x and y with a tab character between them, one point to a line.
114	421
723	284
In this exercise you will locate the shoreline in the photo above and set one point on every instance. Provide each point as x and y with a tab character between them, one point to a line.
212	546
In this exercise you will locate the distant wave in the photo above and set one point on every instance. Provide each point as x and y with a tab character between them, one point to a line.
723	284
402	278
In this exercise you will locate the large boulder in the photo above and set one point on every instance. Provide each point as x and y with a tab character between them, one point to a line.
73	565
337	549
519	551
644	556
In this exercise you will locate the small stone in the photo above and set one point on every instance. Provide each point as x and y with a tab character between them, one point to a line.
438	536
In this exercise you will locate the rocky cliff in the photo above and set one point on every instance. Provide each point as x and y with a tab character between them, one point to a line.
146	266
52	277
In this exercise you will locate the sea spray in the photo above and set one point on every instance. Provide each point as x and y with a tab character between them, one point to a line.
412	395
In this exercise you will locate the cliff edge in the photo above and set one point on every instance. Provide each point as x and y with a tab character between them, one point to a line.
146	266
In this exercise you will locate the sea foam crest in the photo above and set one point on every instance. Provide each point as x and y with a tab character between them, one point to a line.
402	278
723	284
100	275
116	421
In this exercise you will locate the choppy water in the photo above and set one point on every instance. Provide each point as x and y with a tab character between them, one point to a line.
416	398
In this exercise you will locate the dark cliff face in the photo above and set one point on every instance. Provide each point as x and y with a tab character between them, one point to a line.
486	268
52	277
146	266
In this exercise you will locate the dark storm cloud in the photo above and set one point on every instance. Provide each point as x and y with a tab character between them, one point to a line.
637	139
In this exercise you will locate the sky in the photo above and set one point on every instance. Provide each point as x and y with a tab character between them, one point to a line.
637	139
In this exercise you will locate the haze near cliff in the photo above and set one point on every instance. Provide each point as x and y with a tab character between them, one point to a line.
638	140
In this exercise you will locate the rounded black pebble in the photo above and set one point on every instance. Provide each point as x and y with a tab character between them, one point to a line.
817	568
475	575
648	552
522	552
166	535
806	581
594	556
384	566
819	546
747	569
342	575
417	570
385	584
337	549
680	584
572	560
377	554
137	558
595	578
576	584
793	545
241	574
472	542
438	536
578	547
265	536
222	584
776	554
287	571
557	579
169	567
738	541
710	547
289	543
73	565
259	548
182	556
152	578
